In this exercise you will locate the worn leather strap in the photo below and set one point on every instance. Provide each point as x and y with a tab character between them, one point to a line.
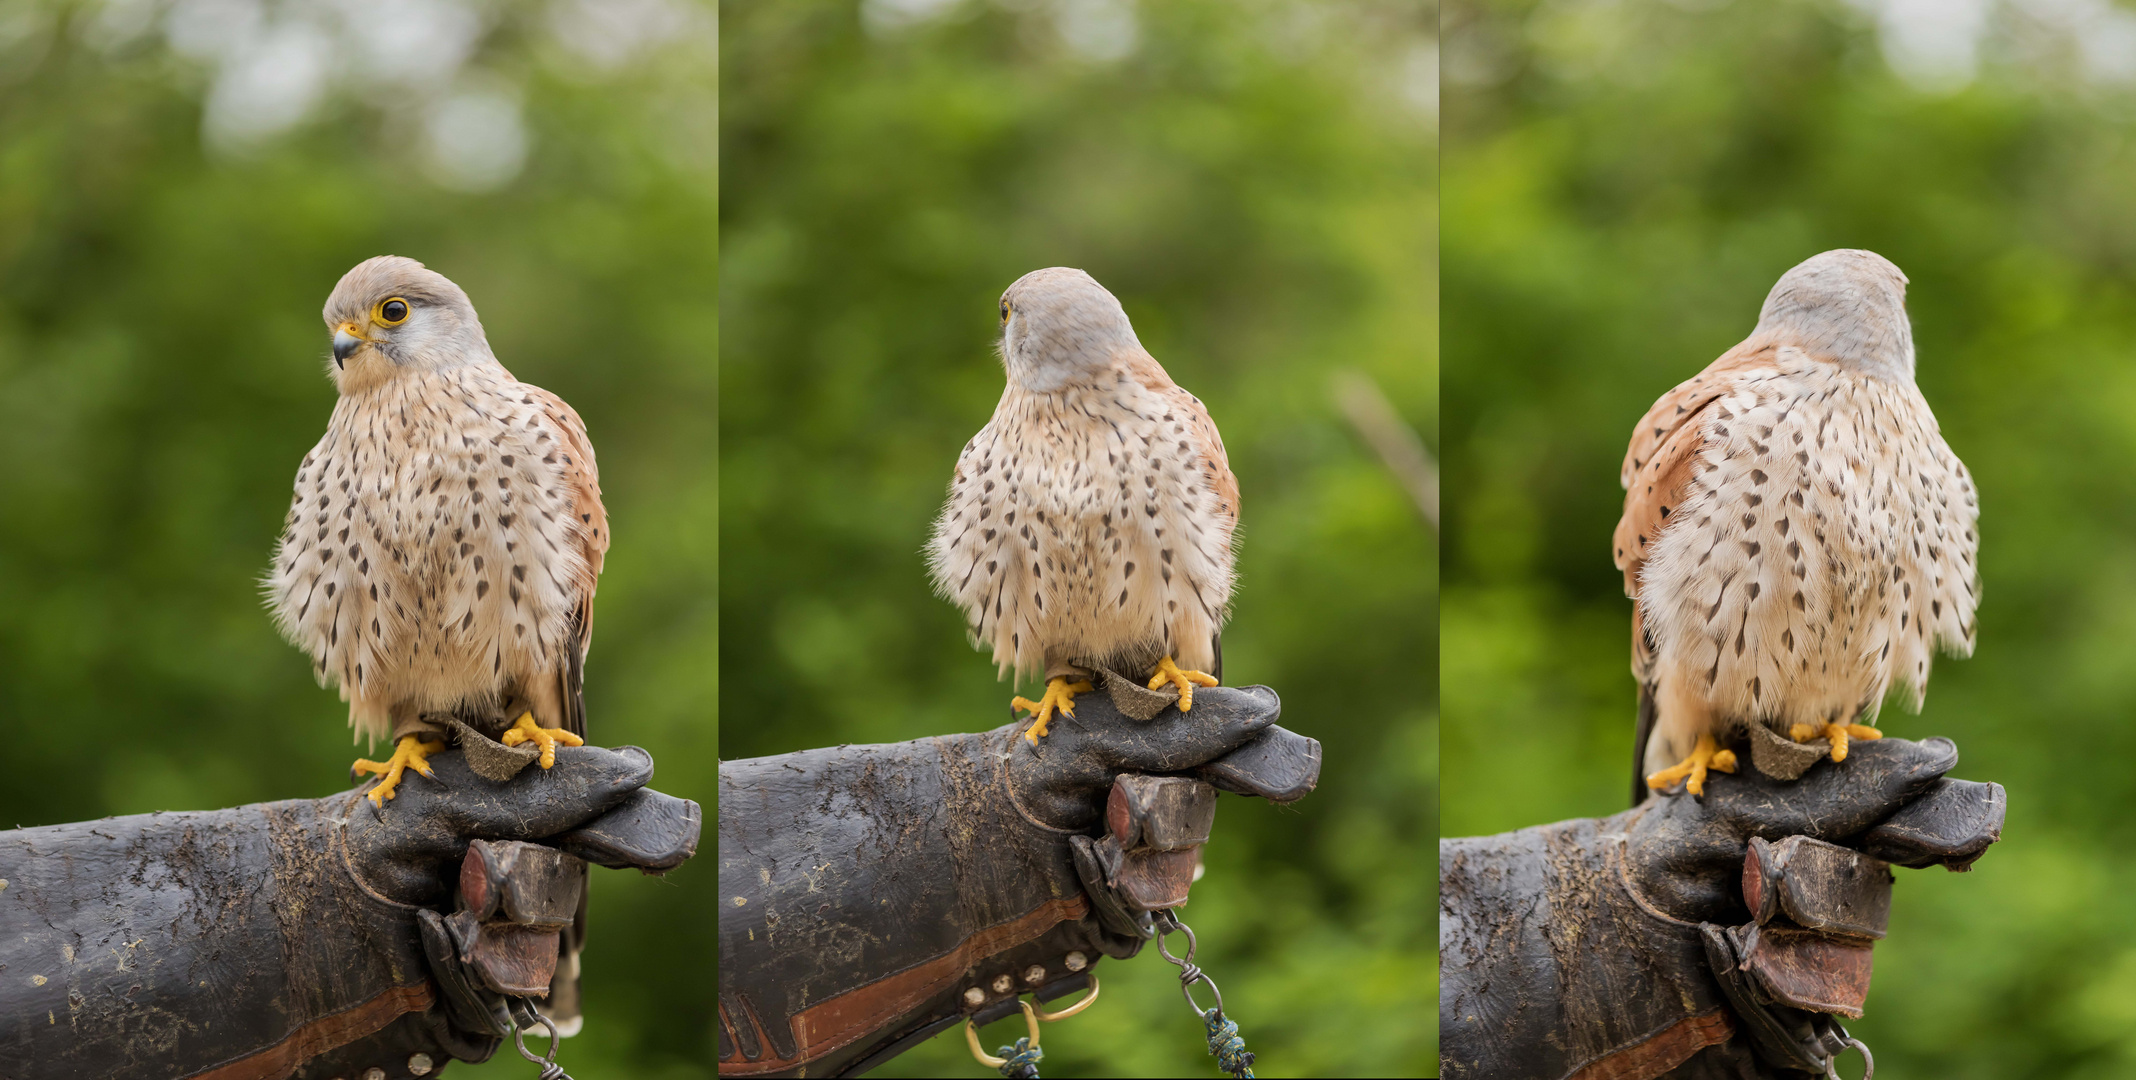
324	1034
862	1011
1664	1050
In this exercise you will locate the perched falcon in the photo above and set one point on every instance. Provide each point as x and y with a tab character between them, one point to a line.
1089	523
1797	537
446	533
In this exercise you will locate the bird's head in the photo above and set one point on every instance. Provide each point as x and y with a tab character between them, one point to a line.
1847	306
390	315
1058	325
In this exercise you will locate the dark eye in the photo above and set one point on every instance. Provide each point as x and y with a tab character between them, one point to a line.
1004	313
393	312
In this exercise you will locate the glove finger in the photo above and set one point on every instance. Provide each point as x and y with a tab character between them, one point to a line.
586	782
1835	800
650	831
1278	765
1223	719
1950	825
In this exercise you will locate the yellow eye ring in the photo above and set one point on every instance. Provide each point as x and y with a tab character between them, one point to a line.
392	311
1004	313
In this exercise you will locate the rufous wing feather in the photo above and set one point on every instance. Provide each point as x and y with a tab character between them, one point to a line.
1660	464
582	479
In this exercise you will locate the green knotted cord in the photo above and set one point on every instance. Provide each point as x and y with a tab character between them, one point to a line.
1020	1062
1224	1042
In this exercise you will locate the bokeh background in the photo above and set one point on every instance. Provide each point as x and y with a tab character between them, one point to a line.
1256	182
181	184
1622	183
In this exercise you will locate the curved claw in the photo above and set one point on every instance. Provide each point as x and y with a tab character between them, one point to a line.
1184	680
526	730
1059	696
1692	770
1836	734
409	753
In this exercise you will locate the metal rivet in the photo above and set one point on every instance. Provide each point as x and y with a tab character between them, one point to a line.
975	996
420	1064
1034	975
1077	961
374	1073
1004	984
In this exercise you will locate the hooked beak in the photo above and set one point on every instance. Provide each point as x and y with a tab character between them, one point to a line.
348	337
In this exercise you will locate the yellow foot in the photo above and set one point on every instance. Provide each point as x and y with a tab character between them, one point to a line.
1186	681
407	754
1837	733
1707	755
1060	695
526	730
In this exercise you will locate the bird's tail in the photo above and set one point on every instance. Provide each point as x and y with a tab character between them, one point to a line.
1645	733
563	1006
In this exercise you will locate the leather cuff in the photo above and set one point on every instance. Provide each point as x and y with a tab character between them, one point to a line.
1155	827
1817	910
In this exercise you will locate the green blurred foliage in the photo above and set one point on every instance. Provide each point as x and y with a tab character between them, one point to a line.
1257	184
162	373
1623	182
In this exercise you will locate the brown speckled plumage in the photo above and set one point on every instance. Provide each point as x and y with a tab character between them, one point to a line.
1090	521
1797	536
446	533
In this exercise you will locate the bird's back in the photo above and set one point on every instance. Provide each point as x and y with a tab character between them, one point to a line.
1092	523
1797	536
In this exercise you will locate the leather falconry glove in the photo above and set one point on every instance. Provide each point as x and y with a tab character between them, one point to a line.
1715	937
873	896
306	938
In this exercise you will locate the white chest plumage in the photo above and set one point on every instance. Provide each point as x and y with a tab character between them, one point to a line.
429	556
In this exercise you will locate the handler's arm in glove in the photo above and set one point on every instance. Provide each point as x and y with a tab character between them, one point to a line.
248	942
1624	946
872	896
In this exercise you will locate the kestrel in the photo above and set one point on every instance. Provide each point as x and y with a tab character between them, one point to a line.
1089	523
1797	537
445	536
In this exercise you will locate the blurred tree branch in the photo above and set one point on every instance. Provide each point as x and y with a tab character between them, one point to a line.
1398	445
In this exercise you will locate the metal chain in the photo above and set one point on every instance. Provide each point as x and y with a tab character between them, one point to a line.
1831	1064
550	1070
1224	1041
1168	923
